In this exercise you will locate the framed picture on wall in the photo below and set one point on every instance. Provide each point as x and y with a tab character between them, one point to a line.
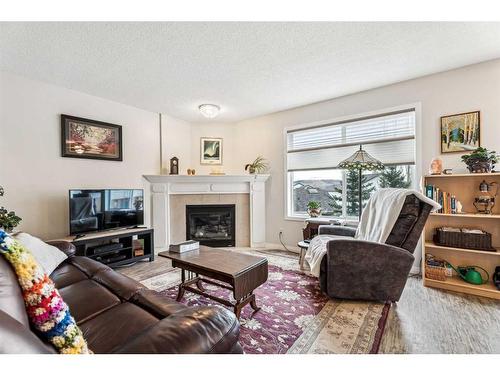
460	132
211	151
89	139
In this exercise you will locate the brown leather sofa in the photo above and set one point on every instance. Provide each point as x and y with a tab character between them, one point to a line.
116	314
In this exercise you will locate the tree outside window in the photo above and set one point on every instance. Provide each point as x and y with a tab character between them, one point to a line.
328	186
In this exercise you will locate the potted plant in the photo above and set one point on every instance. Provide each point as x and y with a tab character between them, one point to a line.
8	219
480	160
259	165
314	208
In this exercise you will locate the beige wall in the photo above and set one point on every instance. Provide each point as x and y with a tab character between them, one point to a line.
475	87
176	141
34	174
37	178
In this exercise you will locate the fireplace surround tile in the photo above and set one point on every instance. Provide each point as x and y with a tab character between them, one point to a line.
179	202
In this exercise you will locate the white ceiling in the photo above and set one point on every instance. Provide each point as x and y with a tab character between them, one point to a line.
249	69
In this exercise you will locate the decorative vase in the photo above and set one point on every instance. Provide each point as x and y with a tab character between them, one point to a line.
314	212
251	170
479	167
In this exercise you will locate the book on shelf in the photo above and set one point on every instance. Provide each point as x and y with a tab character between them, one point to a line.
447	200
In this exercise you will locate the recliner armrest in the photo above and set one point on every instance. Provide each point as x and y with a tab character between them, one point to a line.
195	330
366	270
66	247
337	230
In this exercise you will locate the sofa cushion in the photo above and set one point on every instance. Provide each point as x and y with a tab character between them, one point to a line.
48	314
157	304
67	274
11	298
47	256
116	326
86	299
121	285
88	266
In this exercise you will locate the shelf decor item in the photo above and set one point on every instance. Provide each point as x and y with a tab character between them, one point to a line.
460	132
216	171
435	268
464	239
485	202
471	275
313	209
211	151
174	165
8	219
89	139
360	161
436	166
259	165
480	160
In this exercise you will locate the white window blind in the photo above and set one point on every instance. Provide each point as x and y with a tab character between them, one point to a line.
388	137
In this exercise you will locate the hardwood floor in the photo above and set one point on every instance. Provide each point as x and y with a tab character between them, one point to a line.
425	320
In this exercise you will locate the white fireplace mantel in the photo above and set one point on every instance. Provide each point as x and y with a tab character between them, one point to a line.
163	186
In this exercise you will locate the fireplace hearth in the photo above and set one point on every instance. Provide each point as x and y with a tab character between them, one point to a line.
211	224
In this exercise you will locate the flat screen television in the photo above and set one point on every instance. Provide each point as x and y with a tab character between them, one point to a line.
96	210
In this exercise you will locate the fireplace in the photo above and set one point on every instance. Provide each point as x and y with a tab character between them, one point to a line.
211	224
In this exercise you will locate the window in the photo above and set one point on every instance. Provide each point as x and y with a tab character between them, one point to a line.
313	153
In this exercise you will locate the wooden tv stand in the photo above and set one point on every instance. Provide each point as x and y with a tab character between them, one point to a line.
89	245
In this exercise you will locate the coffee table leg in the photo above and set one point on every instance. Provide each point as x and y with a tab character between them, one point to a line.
237	309
180	293
200	286
253	303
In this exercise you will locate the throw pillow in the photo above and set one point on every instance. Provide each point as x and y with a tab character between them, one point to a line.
47	256
47	311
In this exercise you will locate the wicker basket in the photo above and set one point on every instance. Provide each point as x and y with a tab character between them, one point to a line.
435	272
472	241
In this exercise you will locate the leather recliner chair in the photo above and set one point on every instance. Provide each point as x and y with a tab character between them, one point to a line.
365	270
116	314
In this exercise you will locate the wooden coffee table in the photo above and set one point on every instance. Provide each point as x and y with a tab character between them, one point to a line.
240	273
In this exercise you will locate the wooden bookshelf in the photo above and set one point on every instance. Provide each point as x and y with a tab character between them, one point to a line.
465	187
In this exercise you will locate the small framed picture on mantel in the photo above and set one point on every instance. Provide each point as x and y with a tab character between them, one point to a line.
90	139
211	151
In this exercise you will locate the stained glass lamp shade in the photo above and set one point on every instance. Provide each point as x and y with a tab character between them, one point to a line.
361	161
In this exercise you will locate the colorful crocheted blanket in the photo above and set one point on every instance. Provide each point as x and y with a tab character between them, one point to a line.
47	311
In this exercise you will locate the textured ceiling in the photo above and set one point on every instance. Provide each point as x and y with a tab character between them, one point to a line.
249	69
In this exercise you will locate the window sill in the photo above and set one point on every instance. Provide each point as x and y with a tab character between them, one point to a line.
296	218
348	221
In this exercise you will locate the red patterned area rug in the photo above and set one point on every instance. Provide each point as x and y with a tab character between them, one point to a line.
295	317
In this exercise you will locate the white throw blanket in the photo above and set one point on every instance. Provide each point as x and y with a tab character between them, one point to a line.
377	220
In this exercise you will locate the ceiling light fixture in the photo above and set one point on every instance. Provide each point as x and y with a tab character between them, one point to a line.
209	110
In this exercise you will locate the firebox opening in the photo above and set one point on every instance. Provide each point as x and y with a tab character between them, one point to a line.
211	225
